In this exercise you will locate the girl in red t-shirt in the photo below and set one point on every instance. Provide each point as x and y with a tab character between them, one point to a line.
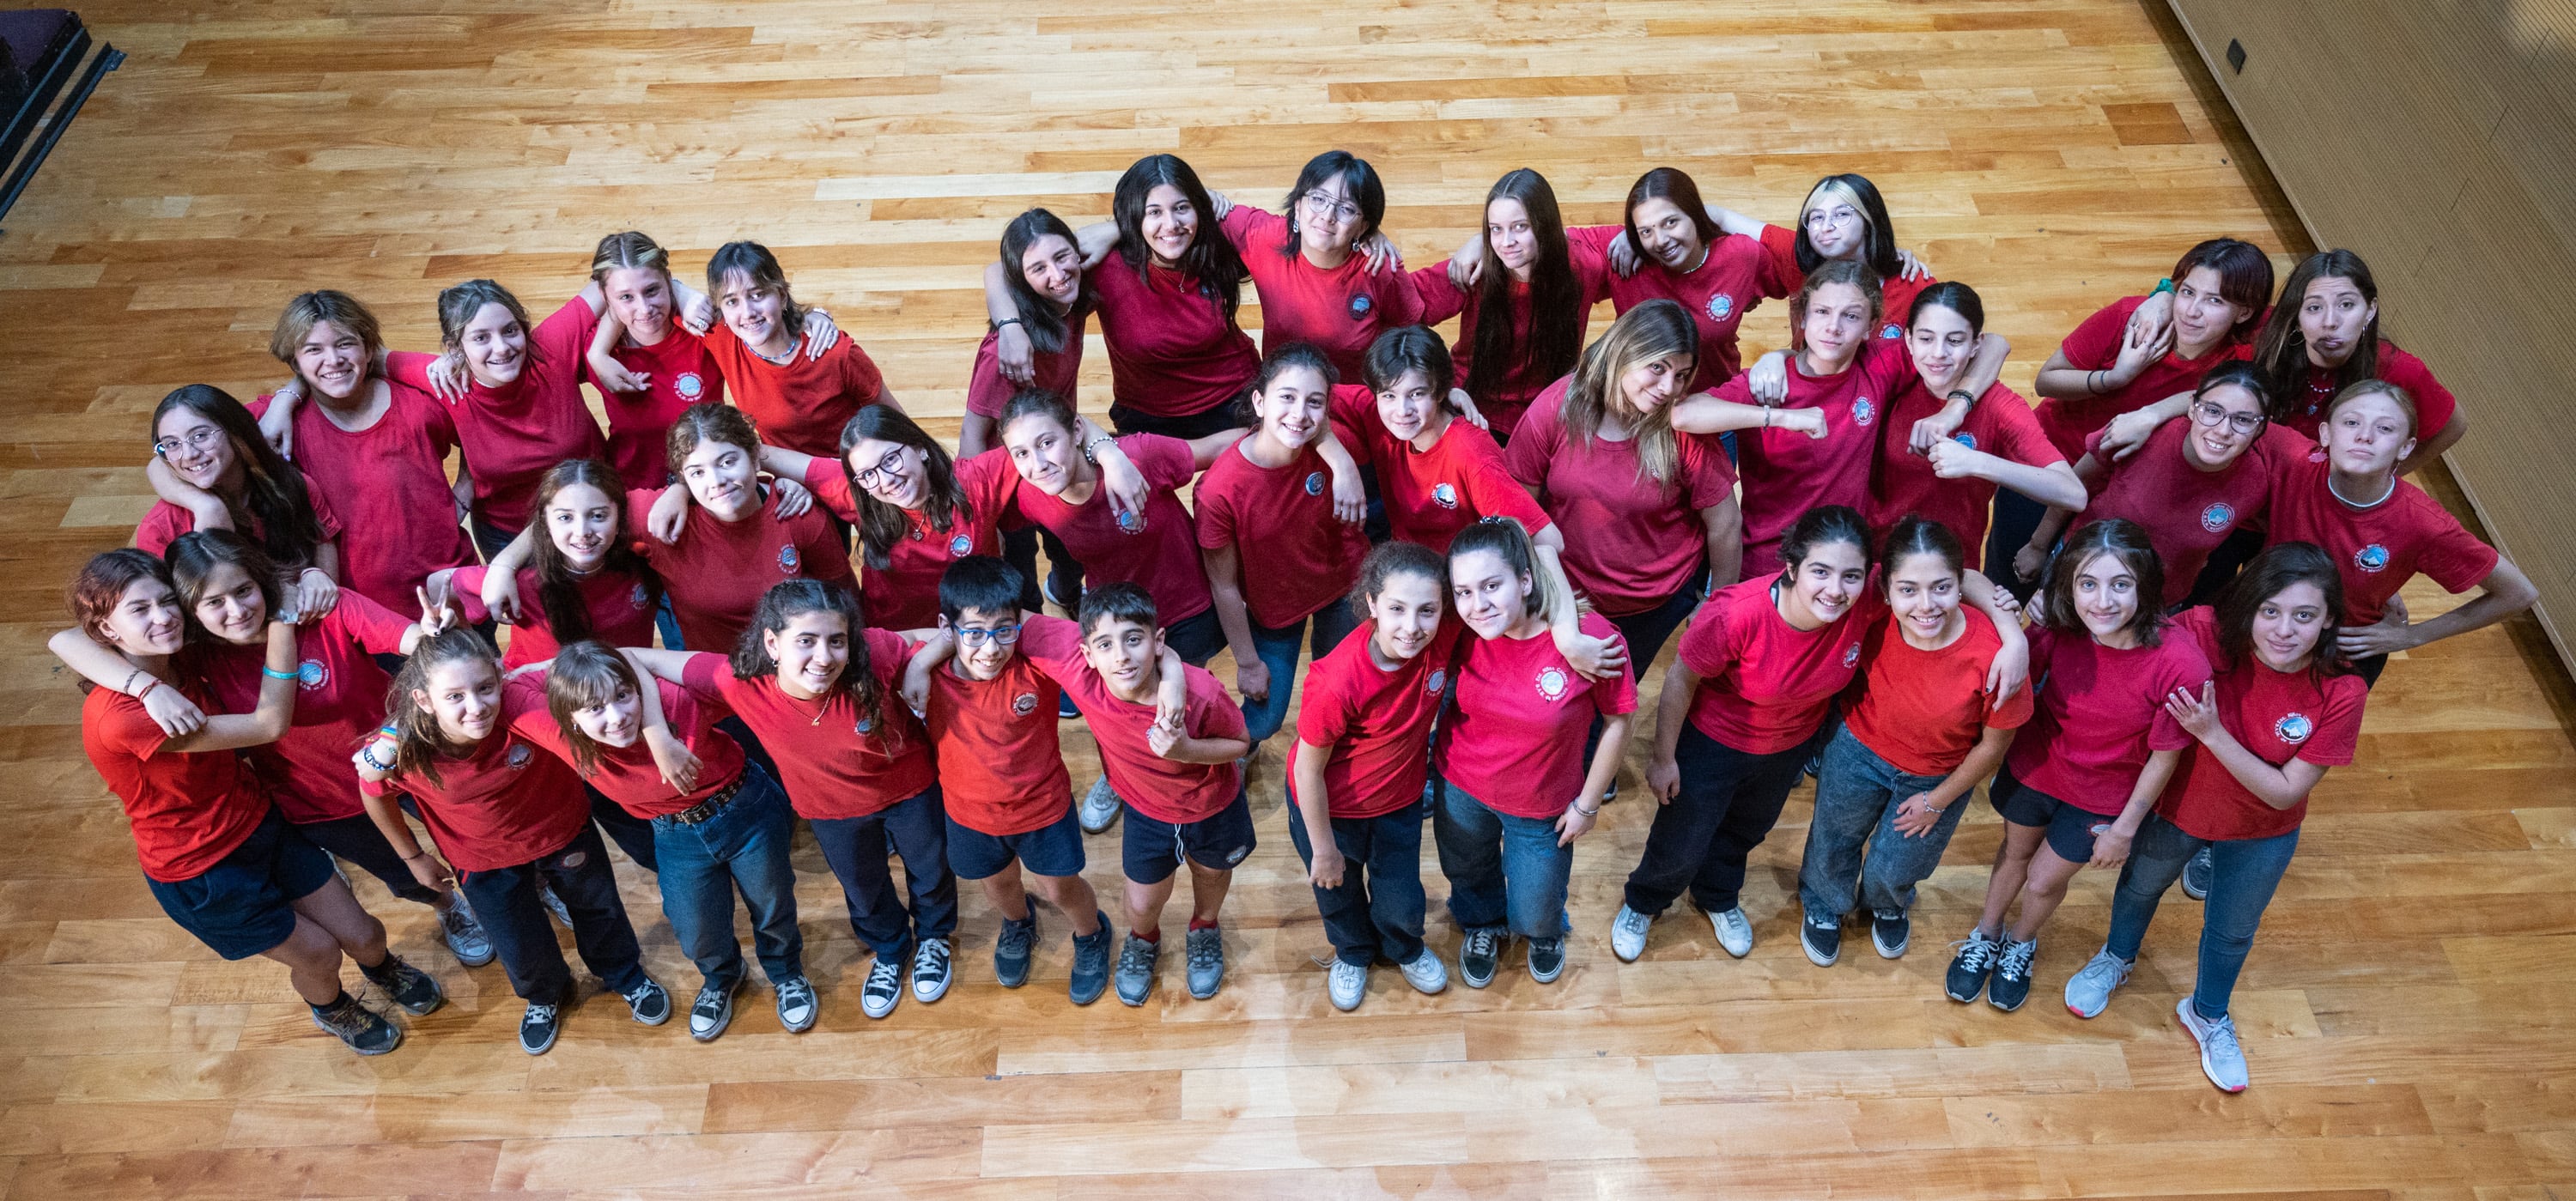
580	579
1843	219
1920	728
2082	773
2282	709
1668	247
1523	296
510	817
1517	788
1033	339
214	852
1356	778
1280	542
215	471
1327	273
722	535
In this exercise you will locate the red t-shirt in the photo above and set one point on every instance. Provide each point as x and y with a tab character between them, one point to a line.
681	373
1339	312
1896	293
1432	494
987	391
1442	300
803	403
1640	541
1376	724
1923	711
518	433
1172	352
188	809
1166	790
2379	547
1159	553
2279	716
2186	512
1516	741
905	595
1293	555
339	700
1001	770
163	525
2095	345
621	612
627	774
506	804
2000	424
1766	685
2434	403
391	480
833	760
1732	278
1786	473
2099	713
718	570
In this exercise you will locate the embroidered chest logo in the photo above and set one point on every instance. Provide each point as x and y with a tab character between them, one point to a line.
787	559
1439	680
2217	516
688	385
1551	683
2293	728
1851	654
639	597
1863	412
1360	307
1131	523
1721	306
2372	558
1444	496
1966	439
866	724
312	675
518	756
1024	704
1891	330
1314	483
961	546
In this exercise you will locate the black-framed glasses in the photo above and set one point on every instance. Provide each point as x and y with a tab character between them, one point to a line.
978	635
2209	414
867	477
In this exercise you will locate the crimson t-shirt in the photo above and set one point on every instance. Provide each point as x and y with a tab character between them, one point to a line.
339	699
1001	769
834	761
165	522
1516	741
1923	711
800	404
627	774
2277	715
1157	552
1733	277
1640	541
2100	713
1765	685
905	595
1374	724
2434	403
2096	345
1522	383
188	809
986	389
506	803
2000	424
1432	494
1896	293
391	480
717	572
2186	512
516	434
1786	473
1166	790
1172	350
1293	555
620	607
680	373
2378	547
1340	312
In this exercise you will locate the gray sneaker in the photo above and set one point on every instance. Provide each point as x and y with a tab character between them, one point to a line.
554	905
2195	876
1136	969
1426	973
464	933
1628	934
1206	950
1099	807
2222	1058
1011	951
2089	991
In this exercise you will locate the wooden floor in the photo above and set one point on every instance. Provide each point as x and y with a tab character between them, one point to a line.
2407	1009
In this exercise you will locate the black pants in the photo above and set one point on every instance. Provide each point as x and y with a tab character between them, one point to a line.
632	834
1728	802
1020	547
357	841
1377	911
2017	517
2225	560
524	940
1186	427
1646	633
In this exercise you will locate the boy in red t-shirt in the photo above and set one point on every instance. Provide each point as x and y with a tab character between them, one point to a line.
1178	773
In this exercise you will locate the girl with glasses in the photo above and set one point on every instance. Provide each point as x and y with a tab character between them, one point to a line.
209	454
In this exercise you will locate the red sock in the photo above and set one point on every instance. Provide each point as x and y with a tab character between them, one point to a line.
1154	935
1196	924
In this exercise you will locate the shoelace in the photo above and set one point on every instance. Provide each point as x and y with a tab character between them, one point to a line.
2219	1036
1205	951
538	1015
1137	955
711	1004
347	1015
2016	960
1481	943
1976	954
638	996
796	992
931	959
1631	921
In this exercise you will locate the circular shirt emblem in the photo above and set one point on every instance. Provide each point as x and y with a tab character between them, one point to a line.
1966	439
867	723
1444	496
688	385
312	674
1314	483
787	559
1551	683
1891	330
1721	306
519	755
1439	680
2372	558
1851	654
1024	704
1863	412
961	546
2293	728
1360	306
2218	516
1130	523
640	597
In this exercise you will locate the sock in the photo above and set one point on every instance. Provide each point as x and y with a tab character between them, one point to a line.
1196	924
382	971
1154	935
333	1003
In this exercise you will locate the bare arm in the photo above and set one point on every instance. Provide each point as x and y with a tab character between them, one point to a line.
1672	708
1224	567
2279	787
2111	847
1578	818
1314	807
260	726
2505	592
1723	525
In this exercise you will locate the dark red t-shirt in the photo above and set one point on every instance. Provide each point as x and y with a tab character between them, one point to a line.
1432	494
1640	541
165	522
2100	713
1765	685
389	482
2095	345
507	803
680	373
339	700
1375	723
627	774
1158	553
1172	351
1896	293
905	595
1340	312
2434	404
1293	556
620	607
2377	547
1166	790
1001	770
2186	512
1786	473
516	434
718	570
188	809
2000	424
1732	278
1442	300
2279	716
986	389
834	761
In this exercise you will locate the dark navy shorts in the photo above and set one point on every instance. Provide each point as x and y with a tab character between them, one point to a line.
2070	829
245	904
1052	850
1154	849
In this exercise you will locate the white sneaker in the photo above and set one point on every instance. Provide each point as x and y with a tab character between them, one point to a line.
1426	973
1734	931
1628	934
2222	1059
1099	807
2089	991
1348	984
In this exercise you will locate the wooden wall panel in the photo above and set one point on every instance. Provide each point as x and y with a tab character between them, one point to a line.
2438	139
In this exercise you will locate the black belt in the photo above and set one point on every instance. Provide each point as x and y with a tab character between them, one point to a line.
707	809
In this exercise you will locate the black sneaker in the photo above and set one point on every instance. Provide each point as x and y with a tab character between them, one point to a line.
1011	951
712	1011
1890	930
538	1027
410	987
1547	960
1090	964
2011	985
797	1007
1477	956
2195	876
648	1003
366	1031
1970	968
1823	939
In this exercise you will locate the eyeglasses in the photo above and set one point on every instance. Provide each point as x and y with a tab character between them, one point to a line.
1828	218
200	439
2209	414
978	636
1323	205
867	478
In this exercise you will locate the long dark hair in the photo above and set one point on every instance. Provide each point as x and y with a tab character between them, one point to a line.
1283	358
1952	295
1674	186
586	673
790	599
1555	296
1878	251
2123	540
558	587
1355	174
418	742
194	555
882	526
1210	262
2281	350
1914	535
272	489
2279	566
1046	328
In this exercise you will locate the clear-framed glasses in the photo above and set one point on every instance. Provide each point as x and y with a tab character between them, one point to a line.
867	477
2209	414
978	635
1324	205
200	439
1827	218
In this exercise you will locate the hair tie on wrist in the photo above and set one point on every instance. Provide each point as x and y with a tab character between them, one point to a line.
274	674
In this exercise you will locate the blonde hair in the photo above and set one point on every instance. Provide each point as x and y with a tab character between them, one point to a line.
1657	329
628	250
312	309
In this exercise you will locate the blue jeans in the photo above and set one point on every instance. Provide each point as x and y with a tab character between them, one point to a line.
1505	872
1377	911
743	847
856	848
1278	651
1857	796
1703	837
578	872
2243	874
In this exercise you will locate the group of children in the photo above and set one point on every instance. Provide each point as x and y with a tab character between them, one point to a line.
1475	554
